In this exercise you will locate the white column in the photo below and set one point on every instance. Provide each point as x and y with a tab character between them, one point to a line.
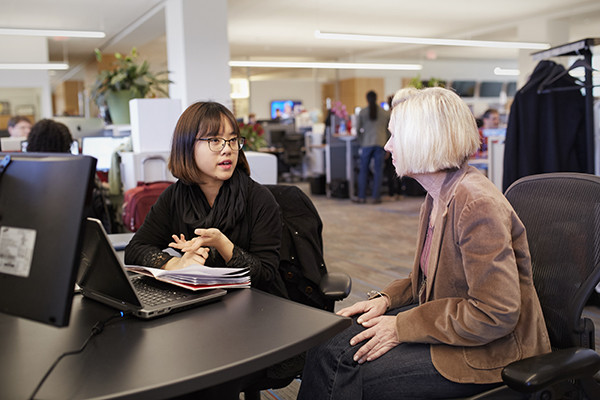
544	31
198	51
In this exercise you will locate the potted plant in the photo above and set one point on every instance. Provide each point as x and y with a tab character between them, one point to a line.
128	80
254	136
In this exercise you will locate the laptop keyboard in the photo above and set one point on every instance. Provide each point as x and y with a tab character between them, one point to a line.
153	296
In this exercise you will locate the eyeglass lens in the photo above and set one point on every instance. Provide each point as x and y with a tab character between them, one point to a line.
217	144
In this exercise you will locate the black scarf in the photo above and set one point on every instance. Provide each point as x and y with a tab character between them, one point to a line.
229	206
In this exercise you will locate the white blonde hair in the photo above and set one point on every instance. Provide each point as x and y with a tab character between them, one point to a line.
433	130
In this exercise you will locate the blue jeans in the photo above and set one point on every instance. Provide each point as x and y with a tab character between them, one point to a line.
404	372
376	153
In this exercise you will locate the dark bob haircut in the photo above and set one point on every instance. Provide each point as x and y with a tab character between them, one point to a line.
49	136
202	119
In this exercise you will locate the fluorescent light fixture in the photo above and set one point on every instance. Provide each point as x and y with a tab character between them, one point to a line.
325	65
506	71
33	66
52	33
431	41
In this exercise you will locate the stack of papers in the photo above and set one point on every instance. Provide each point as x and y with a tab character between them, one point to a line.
196	277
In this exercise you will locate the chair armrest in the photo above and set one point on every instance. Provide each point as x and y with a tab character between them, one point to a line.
535	373
335	285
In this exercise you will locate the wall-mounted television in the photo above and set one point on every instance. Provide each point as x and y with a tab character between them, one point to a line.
285	107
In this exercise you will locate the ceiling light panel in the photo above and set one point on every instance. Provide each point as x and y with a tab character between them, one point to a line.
431	41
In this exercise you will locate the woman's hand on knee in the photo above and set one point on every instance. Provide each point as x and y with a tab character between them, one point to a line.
381	337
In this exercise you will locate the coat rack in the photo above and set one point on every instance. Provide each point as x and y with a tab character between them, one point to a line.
579	48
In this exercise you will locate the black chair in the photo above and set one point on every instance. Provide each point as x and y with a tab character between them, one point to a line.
561	212
302	266
293	153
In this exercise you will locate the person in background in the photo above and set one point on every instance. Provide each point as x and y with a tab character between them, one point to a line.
19	126
490	120
468	307
214	215
252	118
49	136
371	128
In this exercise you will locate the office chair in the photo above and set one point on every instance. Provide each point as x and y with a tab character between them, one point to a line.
301	266
561	212
293	152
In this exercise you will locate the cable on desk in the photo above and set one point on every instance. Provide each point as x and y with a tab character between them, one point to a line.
98	328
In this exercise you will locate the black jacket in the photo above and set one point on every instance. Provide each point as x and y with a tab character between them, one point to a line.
302	264
546	131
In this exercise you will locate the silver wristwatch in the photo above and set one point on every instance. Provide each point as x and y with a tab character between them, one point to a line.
374	293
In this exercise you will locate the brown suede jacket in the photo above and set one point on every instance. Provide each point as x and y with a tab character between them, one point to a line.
481	310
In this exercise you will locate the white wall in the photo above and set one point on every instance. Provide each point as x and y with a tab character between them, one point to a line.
263	92
25	49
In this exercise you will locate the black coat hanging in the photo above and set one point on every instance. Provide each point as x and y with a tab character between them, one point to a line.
546	131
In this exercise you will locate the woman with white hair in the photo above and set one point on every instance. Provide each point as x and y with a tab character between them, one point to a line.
469	306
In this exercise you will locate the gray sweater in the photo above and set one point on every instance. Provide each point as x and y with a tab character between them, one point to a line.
372	133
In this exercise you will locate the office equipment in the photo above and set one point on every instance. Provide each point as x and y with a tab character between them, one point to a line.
562	216
40	232
102	277
286	108
12	143
202	347
152	123
275	132
81	127
102	149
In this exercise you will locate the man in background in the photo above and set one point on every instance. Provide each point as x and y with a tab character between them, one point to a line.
491	119
19	126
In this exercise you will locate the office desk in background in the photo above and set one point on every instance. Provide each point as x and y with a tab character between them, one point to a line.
246	331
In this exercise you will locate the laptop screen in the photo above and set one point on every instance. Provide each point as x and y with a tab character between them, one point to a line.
100	270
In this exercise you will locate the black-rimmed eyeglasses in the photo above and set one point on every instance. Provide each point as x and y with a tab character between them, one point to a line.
218	144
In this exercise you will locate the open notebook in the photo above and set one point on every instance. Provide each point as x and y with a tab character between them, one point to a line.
102	277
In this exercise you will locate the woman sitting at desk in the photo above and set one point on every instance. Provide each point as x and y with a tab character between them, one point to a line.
215	214
469	307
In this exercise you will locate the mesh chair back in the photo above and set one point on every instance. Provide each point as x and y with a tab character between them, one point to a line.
561	213
292	149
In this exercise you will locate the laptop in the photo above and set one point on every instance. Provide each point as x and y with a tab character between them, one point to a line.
12	143
102	277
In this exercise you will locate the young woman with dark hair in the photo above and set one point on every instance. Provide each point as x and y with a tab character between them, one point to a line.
49	136
372	134
215	214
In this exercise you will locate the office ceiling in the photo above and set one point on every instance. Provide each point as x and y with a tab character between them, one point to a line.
283	29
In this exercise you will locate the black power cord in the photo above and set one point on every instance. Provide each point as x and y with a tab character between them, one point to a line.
98	328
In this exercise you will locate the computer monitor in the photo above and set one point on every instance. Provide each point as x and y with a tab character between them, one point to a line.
12	143
81	127
43	201
102	149
74	149
286	108
275	132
